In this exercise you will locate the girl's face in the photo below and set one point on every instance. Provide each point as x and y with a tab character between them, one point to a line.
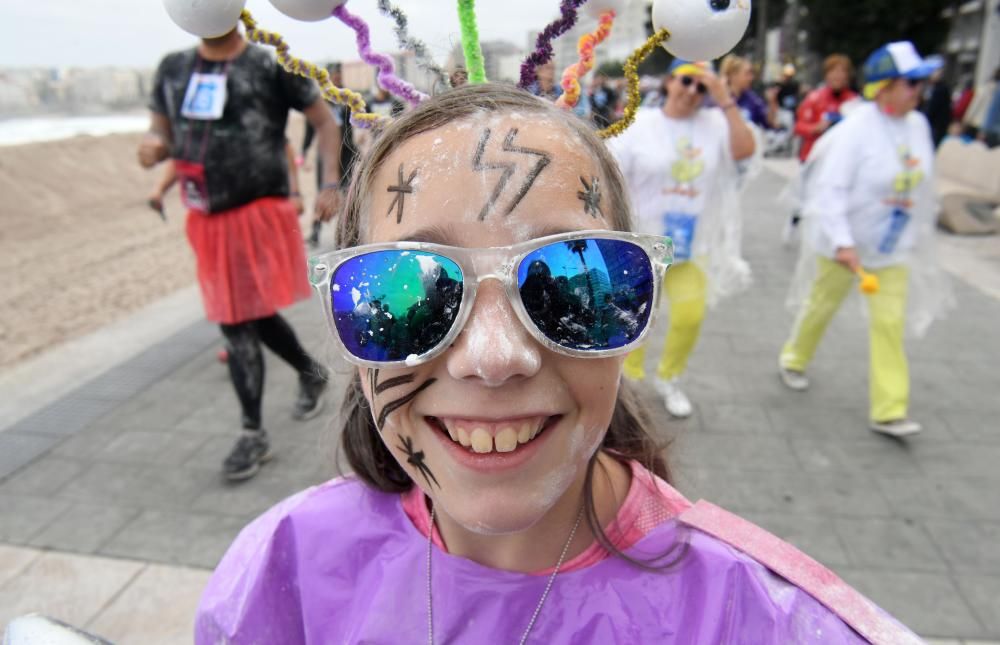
530	418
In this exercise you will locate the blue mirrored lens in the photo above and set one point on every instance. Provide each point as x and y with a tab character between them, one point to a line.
388	305
588	294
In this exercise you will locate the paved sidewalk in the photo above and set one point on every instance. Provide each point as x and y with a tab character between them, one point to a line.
126	468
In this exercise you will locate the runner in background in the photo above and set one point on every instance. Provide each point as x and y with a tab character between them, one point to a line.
226	140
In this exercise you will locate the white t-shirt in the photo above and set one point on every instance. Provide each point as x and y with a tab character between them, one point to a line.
671	167
871	184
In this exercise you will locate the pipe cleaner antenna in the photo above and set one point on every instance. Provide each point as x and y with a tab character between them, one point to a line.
585	47
632	74
419	49
294	65
386	78
470	42
543	45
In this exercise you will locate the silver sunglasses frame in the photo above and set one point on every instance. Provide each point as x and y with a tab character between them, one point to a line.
477	265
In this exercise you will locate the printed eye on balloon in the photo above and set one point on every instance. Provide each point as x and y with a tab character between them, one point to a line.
701	30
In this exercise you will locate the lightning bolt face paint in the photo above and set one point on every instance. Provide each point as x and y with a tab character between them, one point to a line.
498	430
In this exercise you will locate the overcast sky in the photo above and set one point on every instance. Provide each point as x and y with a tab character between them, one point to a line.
136	33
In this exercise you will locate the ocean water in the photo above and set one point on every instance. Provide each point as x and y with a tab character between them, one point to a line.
51	128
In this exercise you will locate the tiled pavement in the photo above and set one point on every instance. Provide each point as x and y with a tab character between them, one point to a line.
126	469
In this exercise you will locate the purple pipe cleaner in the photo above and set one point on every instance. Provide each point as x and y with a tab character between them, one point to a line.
386	78
543	46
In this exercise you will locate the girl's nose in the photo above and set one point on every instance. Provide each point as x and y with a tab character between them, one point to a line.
494	347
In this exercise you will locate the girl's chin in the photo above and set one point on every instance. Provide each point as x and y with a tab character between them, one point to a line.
491	515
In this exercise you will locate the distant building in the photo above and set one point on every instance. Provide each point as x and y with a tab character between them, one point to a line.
973	46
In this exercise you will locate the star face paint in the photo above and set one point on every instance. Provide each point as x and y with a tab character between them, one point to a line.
508	427
402	189
591	197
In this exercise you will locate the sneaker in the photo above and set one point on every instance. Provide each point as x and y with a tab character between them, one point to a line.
251	450
794	379
896	427
310	400
678	404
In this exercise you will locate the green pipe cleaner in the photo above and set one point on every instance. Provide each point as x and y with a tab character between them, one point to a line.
470	42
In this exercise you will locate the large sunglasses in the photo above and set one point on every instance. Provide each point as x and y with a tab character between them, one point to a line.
584	294
688	81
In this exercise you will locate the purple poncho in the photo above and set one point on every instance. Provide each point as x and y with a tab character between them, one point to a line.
342	563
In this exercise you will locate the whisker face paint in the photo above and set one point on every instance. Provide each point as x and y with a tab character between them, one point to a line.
377	388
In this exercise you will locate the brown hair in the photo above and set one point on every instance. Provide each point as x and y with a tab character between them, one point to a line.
630	434
838	60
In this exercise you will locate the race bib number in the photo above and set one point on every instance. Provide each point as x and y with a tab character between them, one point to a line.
897	225
680	228
205	98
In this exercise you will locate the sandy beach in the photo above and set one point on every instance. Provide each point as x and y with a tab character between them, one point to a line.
79	247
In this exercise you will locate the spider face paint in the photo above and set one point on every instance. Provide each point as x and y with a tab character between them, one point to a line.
416	459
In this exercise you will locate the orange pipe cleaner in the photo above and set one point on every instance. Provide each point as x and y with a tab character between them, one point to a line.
585	46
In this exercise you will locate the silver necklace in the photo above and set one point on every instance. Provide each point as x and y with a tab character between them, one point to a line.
541	601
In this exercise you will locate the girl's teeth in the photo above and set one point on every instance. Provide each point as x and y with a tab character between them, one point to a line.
463	437
506	440
451	433
482	442
525	433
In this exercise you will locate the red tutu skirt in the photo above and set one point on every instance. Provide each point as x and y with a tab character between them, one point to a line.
251	260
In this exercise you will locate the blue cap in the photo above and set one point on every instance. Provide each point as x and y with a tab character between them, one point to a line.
898	60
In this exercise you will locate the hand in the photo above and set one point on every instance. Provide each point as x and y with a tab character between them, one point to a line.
297	202
155	201
848	257
718	89
823	125
328	204
152	150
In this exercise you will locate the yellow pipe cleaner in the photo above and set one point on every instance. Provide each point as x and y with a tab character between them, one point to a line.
294	65
585	47
632	74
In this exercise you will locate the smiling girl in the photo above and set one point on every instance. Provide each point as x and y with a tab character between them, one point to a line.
506	487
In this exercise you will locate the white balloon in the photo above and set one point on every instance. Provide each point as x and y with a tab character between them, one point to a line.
596	8
308	10
205	18
701	29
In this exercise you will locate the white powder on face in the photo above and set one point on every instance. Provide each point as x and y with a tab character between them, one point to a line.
498	344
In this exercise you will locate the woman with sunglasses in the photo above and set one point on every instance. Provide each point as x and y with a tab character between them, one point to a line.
507	487
679	164
869	207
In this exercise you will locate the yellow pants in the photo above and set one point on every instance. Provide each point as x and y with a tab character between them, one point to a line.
685	288
889	374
